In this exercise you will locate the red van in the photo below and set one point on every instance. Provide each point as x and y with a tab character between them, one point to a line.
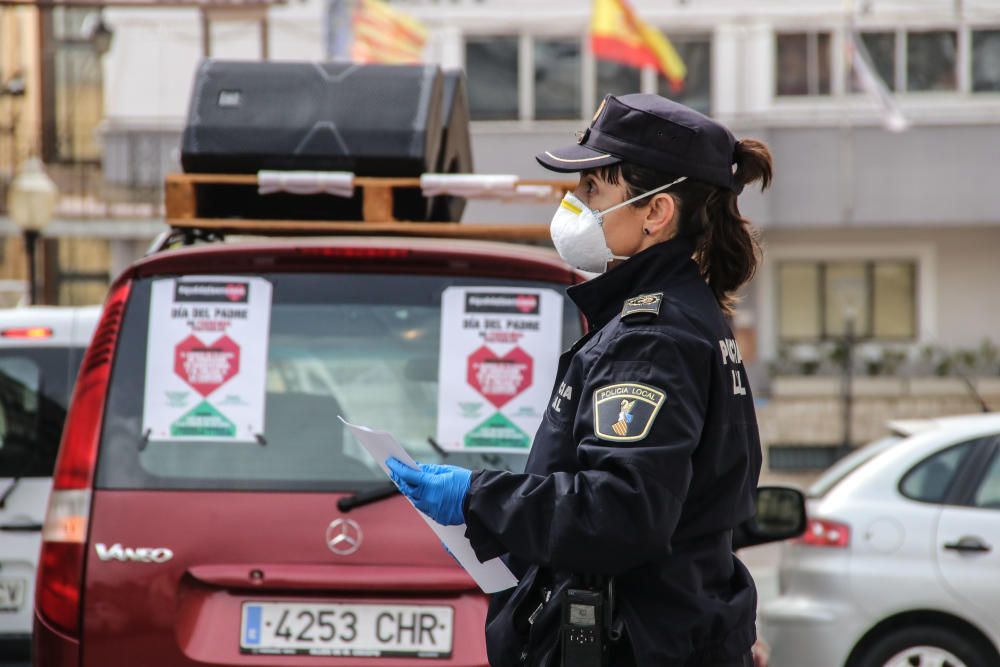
209	507
187	543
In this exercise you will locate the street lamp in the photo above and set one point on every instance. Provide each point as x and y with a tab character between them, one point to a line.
31	203
847	392
99	34
13	89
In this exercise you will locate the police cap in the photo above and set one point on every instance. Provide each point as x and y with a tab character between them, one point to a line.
654	132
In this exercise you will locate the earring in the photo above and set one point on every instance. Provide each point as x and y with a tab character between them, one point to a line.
645	231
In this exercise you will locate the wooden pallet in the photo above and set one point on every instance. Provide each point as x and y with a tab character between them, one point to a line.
377	216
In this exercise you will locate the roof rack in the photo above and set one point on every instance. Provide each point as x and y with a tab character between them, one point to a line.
186	215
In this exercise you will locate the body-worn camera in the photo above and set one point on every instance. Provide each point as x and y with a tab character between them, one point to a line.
582	628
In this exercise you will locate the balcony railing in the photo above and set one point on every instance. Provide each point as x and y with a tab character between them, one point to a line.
85	193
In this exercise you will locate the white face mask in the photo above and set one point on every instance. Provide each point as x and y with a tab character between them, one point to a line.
578	232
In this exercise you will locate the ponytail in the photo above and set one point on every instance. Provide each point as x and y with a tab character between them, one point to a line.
728	250
726	244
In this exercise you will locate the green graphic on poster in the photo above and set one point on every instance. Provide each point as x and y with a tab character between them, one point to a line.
498	431
203	421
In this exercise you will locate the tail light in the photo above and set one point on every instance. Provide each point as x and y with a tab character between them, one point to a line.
26	332
60	566
826	533
64	537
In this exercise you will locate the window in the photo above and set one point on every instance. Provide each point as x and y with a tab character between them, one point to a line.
931	60
893	291
799	313
615	79
696	52
847	465
881	48
930	479
76	102
77	272
846	297
557	79
803	63
988	493
35	386
985	60
491	65
365	346
815	299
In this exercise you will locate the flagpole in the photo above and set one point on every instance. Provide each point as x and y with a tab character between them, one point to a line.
339	34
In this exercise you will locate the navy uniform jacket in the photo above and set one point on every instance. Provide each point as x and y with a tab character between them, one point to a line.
646	459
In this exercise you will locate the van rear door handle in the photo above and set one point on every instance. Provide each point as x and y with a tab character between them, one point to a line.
21	527
969	544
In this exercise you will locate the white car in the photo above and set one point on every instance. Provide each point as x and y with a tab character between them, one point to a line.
900	563
40	353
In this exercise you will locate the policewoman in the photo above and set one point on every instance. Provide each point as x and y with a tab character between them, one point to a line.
648	456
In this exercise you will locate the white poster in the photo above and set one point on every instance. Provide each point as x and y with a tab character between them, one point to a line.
206	359
499	355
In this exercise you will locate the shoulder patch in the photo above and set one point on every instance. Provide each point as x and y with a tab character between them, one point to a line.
644	303
625	412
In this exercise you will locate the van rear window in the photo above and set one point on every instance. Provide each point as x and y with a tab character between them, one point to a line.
35	384
363	346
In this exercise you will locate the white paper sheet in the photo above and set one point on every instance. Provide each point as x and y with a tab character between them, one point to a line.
493	575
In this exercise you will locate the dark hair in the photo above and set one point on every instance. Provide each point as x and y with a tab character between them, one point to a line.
726	245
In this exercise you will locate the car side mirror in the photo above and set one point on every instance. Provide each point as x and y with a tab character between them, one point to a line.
781	515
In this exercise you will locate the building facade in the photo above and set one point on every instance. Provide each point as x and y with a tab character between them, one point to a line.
903	207
888	237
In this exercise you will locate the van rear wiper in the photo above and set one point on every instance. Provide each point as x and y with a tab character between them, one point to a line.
14	483
373	495
8	491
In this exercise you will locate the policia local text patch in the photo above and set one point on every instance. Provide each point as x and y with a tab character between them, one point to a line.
625	412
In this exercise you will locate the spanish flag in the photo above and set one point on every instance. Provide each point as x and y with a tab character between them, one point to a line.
618	34
385	35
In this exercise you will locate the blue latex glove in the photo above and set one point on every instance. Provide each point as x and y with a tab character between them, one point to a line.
437	491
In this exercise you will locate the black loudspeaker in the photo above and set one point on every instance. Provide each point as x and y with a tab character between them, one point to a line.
455	156
373	120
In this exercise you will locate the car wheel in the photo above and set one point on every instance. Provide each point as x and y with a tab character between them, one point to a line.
924	647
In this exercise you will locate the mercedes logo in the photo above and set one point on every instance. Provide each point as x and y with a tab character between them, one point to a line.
344	536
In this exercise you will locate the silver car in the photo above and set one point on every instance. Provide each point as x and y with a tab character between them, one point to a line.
900	563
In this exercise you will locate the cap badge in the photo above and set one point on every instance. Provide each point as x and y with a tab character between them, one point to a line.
599	110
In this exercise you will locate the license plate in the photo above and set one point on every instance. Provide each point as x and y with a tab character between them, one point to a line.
353	630
12	593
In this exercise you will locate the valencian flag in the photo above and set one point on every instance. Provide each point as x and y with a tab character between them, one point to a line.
385	35
617	33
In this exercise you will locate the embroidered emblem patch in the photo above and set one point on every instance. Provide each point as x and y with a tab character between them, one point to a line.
645	303
625	412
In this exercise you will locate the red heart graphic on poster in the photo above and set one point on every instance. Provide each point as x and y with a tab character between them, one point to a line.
236	291
499	379
206	367
527	303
